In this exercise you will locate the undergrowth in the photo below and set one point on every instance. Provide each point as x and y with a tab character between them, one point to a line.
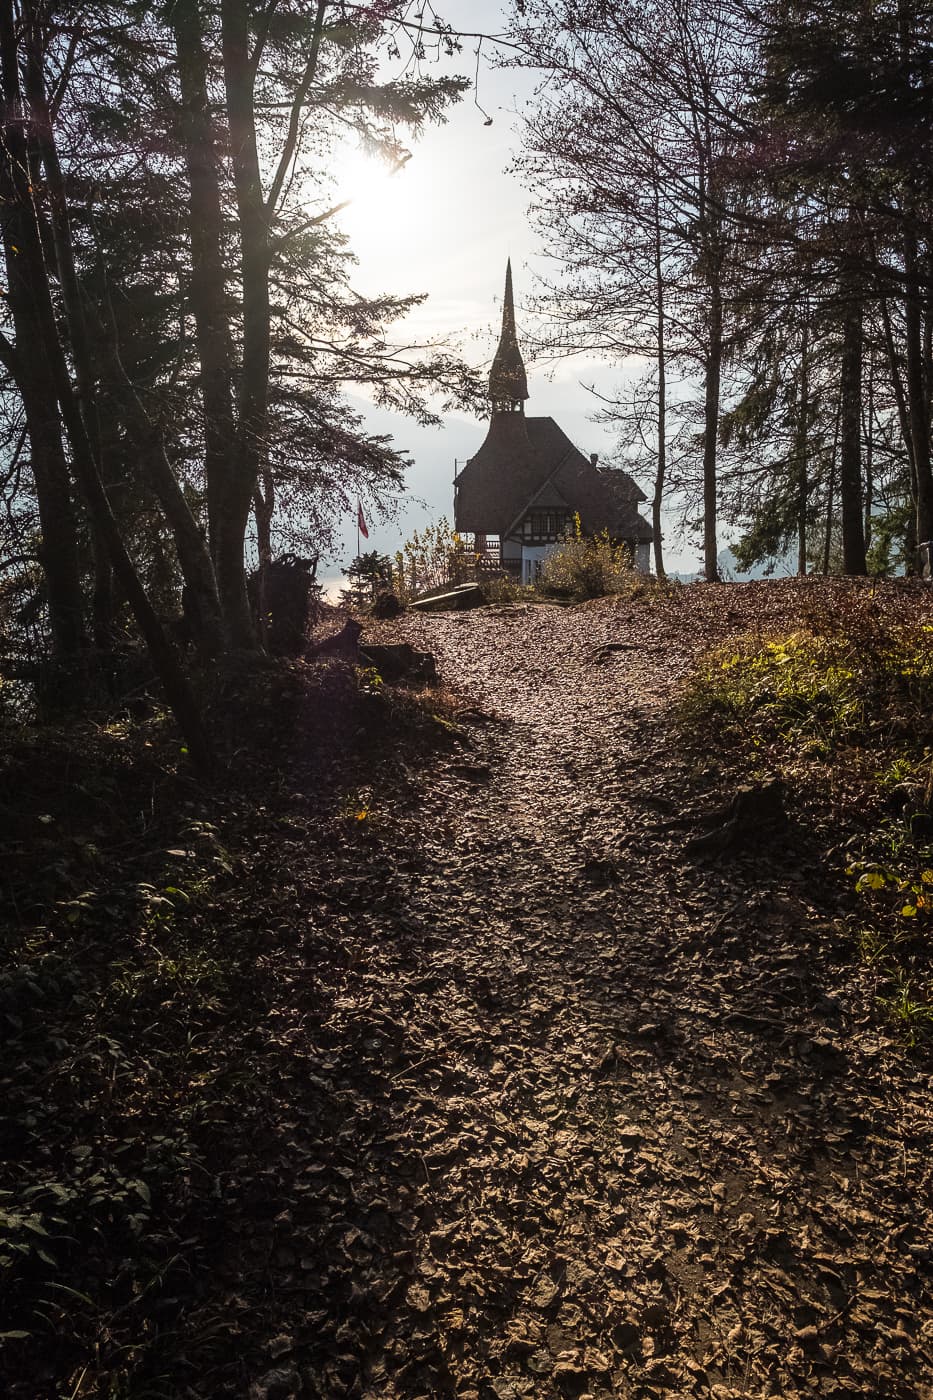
583	566
848	692
146	925
501	590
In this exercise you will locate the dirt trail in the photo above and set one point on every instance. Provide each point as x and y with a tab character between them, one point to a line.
651	1148
450	1074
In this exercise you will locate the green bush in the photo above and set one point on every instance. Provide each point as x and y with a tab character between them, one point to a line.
501	590
429	562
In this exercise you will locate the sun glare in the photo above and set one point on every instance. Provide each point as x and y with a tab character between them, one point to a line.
379	197
399	222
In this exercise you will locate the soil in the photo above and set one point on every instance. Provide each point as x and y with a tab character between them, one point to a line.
535	1102
665	1150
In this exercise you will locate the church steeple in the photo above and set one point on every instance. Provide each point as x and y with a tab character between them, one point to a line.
508	383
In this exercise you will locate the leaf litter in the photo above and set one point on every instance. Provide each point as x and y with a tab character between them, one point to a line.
530	1103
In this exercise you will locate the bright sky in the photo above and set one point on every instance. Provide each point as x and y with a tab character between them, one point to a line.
445	224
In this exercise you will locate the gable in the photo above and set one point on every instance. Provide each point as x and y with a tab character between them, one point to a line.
549	498
530	463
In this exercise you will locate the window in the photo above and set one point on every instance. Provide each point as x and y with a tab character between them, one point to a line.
545	524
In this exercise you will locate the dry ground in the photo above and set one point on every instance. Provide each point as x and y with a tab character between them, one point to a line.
656	1146
512	1097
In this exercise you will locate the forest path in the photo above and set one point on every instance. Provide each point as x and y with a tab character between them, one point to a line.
443	1071
652	1153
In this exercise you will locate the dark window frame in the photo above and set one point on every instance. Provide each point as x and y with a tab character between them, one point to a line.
545	525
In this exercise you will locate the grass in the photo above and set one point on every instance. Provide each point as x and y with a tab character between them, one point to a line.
911	1012
847	698
815	693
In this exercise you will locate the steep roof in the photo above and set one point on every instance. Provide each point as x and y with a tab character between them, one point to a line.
508	383
530	462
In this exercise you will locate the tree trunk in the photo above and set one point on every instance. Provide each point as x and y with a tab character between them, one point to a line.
917	364
263	510
190	544
831	493
661	467
30	250
897	384
99	356
800	447
165	660
850	453
711	430
903	414
207	281
869	435
103	605
232	512
917	407
58	549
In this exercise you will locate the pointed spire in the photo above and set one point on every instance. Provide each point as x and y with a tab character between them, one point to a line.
508	383
508	304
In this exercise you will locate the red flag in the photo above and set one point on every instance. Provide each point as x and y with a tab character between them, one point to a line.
361	521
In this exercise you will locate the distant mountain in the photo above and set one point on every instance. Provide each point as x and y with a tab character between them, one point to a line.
729	570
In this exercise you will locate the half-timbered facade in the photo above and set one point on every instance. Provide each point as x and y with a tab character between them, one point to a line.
519	495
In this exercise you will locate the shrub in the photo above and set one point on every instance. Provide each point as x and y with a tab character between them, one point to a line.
896	889
368	575
587	566
798	687
428	561
501	590
387	604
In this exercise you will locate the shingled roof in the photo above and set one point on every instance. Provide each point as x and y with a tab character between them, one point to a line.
508	383
530	463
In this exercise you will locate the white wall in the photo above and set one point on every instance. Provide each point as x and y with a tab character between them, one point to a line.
532	556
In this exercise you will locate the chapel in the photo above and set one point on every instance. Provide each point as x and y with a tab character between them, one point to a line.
519	495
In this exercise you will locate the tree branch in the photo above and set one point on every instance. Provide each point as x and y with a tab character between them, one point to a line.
294	120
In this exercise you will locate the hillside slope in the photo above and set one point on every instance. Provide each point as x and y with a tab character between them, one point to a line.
485	1078
670	1148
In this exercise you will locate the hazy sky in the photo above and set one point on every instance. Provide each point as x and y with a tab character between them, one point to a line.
445	225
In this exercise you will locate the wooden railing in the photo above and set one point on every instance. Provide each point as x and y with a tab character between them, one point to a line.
471	566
